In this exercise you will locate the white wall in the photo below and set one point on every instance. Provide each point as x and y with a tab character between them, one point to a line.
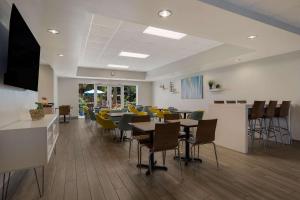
68	91
46	83
276	78
14	102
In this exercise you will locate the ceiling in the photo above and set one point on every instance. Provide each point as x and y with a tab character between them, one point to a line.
282	13
107	37
93	32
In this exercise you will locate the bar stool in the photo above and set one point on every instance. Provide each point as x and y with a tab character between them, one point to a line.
269	120
282	113
219	102
256	120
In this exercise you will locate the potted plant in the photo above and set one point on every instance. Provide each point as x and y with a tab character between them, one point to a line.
211	84
218	86
37	113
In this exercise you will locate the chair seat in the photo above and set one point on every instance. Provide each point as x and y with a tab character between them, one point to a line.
142	139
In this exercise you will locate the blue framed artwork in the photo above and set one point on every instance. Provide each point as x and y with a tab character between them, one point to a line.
192	87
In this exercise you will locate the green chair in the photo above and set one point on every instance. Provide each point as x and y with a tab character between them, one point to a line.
197	115
124	126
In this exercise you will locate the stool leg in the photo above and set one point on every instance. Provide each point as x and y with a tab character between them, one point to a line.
288	130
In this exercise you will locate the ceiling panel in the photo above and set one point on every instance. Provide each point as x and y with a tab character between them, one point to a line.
108	37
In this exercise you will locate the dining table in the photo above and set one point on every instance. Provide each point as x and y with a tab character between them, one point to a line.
187	124
149	127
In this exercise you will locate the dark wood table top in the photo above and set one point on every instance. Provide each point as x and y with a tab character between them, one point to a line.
144	126
186	122
150	126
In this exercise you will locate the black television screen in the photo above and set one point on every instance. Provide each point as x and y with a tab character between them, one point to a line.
23	54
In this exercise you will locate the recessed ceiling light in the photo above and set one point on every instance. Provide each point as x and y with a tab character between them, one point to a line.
164	33
118	66
53	31
165	13
252	36
133	55
60	55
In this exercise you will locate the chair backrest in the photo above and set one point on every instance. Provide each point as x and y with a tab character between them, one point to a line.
171	116
197	115
172	109
206	131
284	108
258	109
140	118
166	136
219	102
105	123
241	101
231	101
123	123
92	115
271	108
139	107
64	109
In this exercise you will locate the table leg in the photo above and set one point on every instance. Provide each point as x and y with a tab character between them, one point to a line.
187	145
3	185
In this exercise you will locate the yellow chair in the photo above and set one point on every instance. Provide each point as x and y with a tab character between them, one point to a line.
132	109
104	113
160	114
106	124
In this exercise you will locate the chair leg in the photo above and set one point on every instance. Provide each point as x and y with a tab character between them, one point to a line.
216	154
179	161
150	163
288	130
164	157
129	152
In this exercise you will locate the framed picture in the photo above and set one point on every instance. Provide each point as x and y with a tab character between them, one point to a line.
192	87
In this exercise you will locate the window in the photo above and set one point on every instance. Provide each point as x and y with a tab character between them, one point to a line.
95	96
86	97
129	95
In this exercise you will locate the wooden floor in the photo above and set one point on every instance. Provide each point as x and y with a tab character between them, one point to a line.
88	166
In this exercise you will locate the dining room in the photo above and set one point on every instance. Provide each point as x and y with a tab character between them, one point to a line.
133	100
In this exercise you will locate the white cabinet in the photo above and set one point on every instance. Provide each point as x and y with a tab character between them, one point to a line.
28	144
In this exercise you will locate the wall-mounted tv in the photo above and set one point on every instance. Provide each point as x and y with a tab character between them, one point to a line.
23	54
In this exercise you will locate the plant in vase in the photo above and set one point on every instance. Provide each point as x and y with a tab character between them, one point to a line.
218	86
37	113
211	84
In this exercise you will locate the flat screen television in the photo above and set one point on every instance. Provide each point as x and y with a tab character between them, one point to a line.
23	54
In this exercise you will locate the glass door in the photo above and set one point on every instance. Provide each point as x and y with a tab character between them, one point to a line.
101	97
116	97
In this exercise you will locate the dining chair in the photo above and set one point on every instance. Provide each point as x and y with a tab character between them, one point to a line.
255	120
140	136
205	134
197	115
219	102
282	113
123	124
107	125
269	120
165	138
172	109
92	116
65	110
